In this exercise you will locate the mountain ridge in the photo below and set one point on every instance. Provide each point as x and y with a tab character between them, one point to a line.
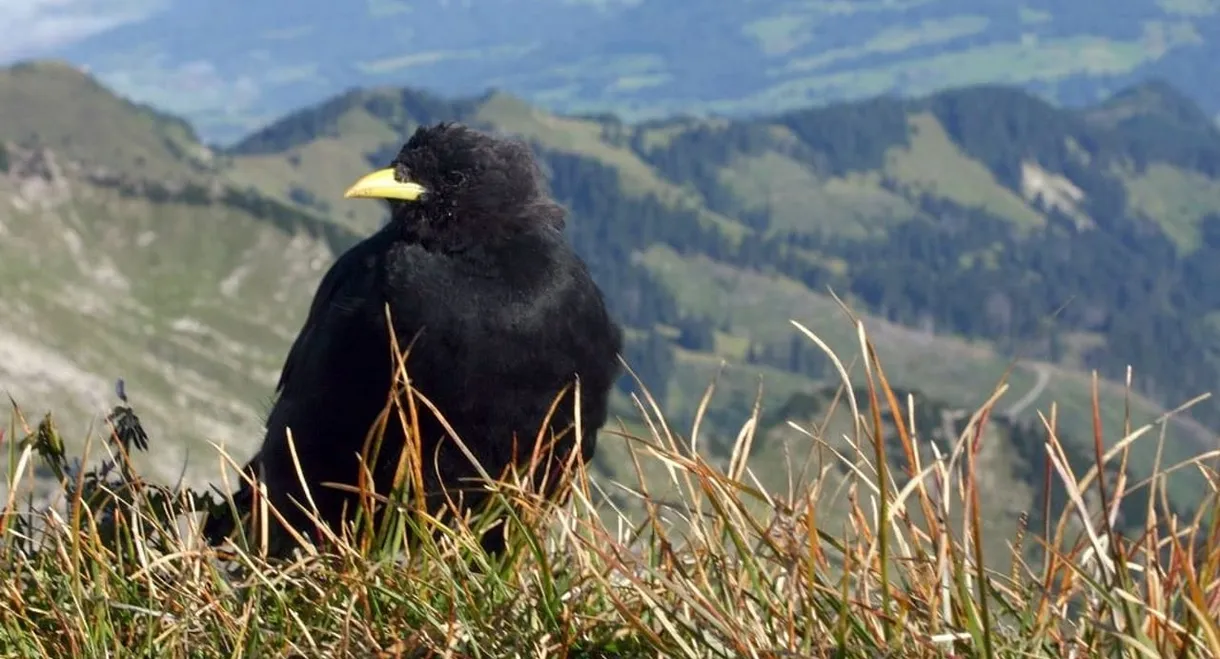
695	228
232	67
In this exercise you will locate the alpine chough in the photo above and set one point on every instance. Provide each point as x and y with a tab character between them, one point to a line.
497	315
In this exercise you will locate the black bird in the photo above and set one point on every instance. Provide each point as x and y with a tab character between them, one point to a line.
500	315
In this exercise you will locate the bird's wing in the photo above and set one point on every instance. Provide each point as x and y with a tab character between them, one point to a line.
343	292
321	300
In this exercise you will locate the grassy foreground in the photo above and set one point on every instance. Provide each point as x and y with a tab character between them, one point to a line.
718	568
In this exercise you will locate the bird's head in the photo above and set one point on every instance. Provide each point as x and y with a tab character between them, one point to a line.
453	183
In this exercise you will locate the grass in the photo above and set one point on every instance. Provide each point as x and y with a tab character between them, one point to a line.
708	564
1177	199
933	164
854	206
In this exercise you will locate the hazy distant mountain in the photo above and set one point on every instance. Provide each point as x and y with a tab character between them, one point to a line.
231	66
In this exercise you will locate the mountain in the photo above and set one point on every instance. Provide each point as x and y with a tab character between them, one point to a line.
230	67
957	224
123	253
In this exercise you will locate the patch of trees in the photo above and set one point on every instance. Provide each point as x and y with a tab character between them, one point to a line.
1001	126
699	154
696	333
282	216
974	276
796	355
651	356
849	137
608	228
289	219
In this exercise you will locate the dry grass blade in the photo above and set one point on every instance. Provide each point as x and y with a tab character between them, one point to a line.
878	548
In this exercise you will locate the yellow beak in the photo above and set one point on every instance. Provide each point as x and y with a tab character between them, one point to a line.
381	184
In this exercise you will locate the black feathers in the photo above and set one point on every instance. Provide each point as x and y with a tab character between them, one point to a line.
480	190
500	314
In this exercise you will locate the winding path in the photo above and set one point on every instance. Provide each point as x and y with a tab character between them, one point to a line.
1044	378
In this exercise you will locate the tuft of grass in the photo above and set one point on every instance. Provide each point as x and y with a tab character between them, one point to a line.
714	566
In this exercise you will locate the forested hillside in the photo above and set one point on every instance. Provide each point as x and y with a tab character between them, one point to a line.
1076	237
968	228
984	211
